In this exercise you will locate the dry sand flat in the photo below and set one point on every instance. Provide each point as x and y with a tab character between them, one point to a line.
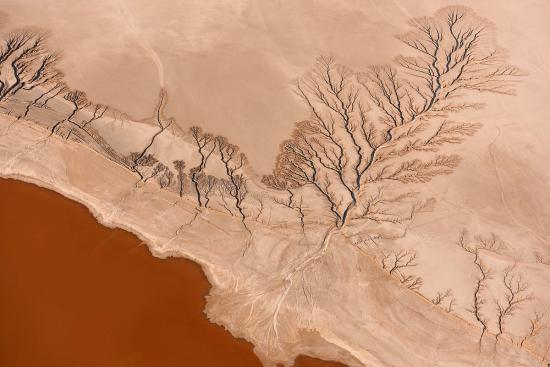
404	221
228	64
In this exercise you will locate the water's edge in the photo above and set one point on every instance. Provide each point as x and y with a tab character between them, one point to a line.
102	220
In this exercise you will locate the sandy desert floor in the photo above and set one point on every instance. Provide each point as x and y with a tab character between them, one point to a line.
228	64
363	182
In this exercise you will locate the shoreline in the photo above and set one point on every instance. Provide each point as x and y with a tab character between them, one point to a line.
42	176
103	187
25	183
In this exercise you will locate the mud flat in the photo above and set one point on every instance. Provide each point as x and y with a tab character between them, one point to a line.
75	293
402	224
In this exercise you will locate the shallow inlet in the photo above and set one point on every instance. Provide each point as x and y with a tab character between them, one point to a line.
76	293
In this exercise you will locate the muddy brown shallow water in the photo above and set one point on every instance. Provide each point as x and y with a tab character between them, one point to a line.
75	293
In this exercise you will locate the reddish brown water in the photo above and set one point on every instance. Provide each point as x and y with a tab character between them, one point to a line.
75	293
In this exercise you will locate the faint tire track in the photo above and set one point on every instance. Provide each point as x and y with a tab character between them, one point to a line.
129	20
